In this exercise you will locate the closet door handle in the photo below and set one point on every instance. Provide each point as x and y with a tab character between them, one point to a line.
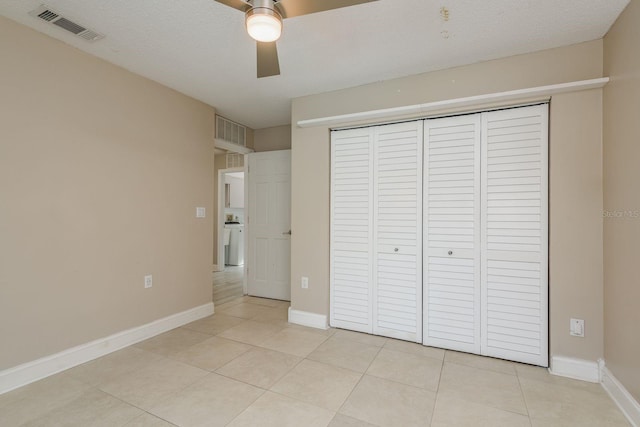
395	250
450	252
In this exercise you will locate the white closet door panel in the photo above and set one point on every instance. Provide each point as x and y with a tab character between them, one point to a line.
451	315
515	230
351	230
452	233
398	226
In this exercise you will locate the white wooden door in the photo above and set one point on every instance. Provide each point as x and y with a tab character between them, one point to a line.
515	234
269	225
397	219
452	233
351	230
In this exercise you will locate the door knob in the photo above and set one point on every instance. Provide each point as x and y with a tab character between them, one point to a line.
287	233
395	250
450	252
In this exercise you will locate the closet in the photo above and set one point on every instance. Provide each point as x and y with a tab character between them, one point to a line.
376	218
439	232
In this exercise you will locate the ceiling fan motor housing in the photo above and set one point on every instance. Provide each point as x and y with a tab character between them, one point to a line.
263	21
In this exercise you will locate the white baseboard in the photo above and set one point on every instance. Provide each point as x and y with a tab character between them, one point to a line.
305	318
578	369
29	372
216	267
627	404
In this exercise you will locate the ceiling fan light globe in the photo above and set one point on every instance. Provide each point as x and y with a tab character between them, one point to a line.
264	27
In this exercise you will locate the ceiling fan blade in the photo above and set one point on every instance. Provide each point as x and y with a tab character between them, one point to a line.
236	4
291	8
267	59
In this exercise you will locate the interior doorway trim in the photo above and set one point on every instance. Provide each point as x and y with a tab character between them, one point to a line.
220	223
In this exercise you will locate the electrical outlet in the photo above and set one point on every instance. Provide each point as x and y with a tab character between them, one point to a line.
576	328
304	283
148	281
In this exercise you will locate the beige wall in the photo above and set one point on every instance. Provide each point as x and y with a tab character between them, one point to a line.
622	199
575	223
100	174
272	139
575	177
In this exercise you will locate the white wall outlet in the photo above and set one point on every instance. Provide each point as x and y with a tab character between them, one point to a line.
577	328
304	283
200	212
148	281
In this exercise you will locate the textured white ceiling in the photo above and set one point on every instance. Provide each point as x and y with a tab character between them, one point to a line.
200	47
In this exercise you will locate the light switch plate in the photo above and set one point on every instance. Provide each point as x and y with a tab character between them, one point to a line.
576	328
200	212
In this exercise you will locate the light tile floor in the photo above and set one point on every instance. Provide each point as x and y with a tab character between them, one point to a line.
246	366
227	284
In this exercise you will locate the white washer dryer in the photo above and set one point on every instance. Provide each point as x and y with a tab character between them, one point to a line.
235	249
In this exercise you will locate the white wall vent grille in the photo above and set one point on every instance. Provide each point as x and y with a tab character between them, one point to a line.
229	131
54	18
234	160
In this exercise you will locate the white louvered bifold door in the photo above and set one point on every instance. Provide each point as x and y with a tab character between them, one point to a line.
514	234
351	305
397	308
452	233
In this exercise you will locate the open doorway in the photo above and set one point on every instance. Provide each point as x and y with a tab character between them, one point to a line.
253	227
229	281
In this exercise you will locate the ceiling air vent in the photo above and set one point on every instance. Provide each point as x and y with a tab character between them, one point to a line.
54	18
231	131
234	160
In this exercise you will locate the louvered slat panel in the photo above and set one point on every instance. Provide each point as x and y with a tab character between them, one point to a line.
514	223
351	176
451	240
398	227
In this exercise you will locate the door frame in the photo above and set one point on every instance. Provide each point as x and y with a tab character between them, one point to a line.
220	223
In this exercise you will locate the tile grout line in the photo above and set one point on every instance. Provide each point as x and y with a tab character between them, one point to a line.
248	406
502	373
362	374
264	390
433	412
135	406
435	401
524	399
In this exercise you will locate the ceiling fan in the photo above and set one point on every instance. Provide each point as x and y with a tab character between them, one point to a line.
263	19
